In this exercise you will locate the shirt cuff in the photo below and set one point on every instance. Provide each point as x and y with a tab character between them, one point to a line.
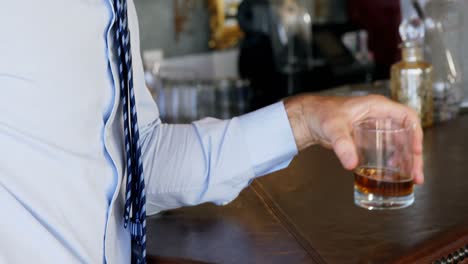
269	137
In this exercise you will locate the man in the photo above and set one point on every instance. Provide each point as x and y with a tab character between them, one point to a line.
62	166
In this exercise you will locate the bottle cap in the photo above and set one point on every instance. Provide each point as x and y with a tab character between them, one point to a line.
412	32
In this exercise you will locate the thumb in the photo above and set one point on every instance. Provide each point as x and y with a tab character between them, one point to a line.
344	147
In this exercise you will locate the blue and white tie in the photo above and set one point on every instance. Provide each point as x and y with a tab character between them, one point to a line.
135	199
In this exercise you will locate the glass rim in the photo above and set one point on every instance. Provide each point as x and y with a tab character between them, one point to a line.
402	127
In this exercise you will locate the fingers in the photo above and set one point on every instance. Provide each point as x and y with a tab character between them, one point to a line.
412	118
418	163
418	169
382	107
405	115
417	147
346	152
342	144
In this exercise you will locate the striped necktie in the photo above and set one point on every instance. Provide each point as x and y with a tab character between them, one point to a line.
135	199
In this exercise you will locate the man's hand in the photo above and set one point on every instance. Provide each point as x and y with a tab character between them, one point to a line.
328	121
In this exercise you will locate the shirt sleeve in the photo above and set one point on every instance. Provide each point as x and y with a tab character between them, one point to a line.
213	160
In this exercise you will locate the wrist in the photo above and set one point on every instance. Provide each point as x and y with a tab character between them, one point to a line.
295	109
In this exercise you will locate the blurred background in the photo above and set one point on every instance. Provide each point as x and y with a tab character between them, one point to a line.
223	58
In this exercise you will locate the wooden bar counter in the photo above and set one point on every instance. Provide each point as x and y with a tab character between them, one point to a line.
305	214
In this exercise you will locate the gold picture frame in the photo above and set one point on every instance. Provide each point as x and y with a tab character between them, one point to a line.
225	31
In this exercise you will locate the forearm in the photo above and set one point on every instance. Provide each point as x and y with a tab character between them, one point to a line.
213	160
183	167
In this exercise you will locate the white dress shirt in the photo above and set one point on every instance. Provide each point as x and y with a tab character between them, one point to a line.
62	165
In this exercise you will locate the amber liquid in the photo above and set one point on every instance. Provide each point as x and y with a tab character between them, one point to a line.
383	182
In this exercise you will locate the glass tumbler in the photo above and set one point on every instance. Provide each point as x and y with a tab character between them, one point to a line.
383	178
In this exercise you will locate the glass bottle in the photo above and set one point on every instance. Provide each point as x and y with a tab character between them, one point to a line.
411	78
444	31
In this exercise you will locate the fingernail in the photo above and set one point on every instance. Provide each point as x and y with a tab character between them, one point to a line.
348	161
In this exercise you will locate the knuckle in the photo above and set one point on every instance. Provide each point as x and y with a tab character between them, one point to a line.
377	97
412	114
